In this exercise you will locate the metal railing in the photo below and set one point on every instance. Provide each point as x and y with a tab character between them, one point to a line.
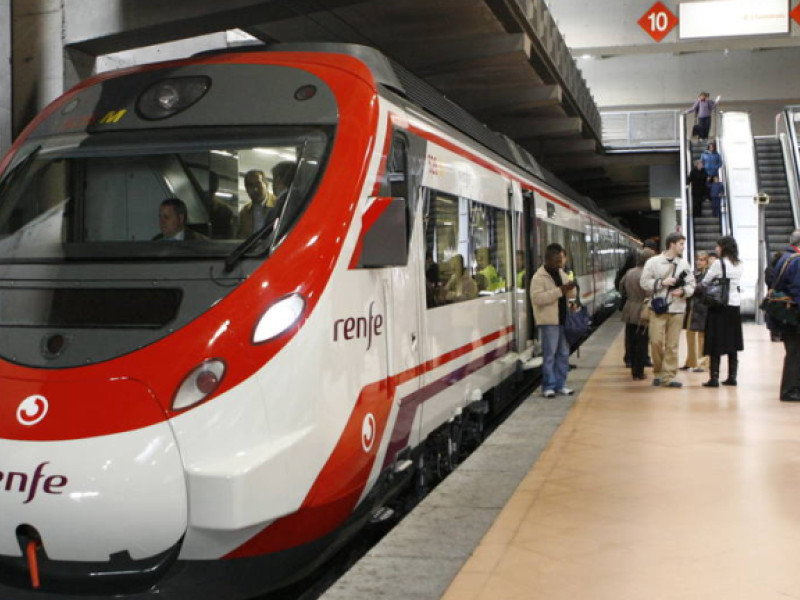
642	130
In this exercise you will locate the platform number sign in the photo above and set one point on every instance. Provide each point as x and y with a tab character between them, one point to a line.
658	21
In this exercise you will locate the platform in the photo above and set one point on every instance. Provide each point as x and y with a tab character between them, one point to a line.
641	492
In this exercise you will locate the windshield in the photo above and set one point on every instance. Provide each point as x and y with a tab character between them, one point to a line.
161	194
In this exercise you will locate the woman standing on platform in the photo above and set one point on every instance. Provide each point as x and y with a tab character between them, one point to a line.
724	324
636	335
695	321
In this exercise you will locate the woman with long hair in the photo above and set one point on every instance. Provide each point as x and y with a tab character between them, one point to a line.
724	323
695	321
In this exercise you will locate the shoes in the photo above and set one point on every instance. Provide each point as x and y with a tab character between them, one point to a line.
628	364
656	382
711	383
549	394
649	363
685	368
673	384
790	398
565	391
699	370
729	381
572	366
639	377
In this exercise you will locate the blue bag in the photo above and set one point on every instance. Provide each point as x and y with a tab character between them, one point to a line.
576	325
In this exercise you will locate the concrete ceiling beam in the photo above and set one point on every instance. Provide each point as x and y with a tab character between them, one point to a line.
527	129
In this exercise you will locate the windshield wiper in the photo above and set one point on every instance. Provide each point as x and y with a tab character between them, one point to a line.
236	256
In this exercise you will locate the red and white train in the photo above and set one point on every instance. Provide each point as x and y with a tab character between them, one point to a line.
208	418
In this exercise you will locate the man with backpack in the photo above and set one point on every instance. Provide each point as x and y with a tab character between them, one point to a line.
669	280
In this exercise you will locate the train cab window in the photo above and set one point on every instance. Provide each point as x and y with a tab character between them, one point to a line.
83	197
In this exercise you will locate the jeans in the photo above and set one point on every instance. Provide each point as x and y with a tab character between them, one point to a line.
555	357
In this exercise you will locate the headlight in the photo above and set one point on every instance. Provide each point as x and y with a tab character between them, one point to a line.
201	382
170	96
279	318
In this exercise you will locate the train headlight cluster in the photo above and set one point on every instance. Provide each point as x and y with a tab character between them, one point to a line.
200	383
171	96
279	318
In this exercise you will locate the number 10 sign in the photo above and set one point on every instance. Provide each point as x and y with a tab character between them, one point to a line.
658	21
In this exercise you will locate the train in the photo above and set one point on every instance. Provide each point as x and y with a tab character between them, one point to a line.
212	414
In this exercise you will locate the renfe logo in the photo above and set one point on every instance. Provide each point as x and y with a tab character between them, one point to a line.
32	410
23	483
359	327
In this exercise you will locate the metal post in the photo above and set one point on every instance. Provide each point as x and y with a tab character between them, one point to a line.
761	200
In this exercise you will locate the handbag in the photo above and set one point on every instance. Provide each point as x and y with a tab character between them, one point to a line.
577	325
717	291
781	309
644	313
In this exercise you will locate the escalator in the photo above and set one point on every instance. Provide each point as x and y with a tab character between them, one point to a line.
778	217
706	229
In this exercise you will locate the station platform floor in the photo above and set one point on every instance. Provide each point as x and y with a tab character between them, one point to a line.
655	493
624	491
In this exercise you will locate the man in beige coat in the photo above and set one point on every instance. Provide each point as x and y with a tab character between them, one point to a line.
550	289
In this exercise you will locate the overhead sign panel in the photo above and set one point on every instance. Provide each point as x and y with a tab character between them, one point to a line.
730	18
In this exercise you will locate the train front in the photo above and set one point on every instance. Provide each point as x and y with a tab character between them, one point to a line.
165	235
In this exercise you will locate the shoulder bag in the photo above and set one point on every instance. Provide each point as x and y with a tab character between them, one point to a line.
717	291
781	309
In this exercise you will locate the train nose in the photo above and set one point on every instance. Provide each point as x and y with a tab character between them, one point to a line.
93	469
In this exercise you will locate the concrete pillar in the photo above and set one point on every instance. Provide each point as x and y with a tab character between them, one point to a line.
669	218
37	58
5	76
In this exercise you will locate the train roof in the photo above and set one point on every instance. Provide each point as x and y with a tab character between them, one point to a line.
392	75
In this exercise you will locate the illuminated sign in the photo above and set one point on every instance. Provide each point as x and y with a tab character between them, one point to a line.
730	18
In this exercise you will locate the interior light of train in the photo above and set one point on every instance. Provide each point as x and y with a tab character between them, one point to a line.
279	318
200	383
168	97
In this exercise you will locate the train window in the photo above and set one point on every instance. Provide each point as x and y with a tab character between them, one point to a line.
489	232
448	276
74	194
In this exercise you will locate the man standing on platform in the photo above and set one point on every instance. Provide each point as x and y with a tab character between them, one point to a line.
789	284
550	288
669	280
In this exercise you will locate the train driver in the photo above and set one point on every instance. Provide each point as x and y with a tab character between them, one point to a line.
172	217
254	214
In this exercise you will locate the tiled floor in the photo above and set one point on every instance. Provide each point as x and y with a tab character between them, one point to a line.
652	493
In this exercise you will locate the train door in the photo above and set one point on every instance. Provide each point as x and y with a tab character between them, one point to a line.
524	212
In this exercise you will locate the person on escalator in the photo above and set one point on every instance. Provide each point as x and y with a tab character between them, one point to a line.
703	108
712	161
698	180
716	190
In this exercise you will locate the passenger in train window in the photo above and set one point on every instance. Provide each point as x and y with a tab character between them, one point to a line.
695	321
520	262
670	280
487	276
636	335
567	268
550	290
432	283
172	217
461	286
712	161
724	324
254	214
698	182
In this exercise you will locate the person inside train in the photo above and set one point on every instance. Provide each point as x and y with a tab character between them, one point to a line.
520	263
550	290
724	324
487	276
253	215
695	321
461	286
432	283
789	284
635	326
670	280
172	217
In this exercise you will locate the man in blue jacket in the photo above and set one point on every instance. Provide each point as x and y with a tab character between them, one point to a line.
790	284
